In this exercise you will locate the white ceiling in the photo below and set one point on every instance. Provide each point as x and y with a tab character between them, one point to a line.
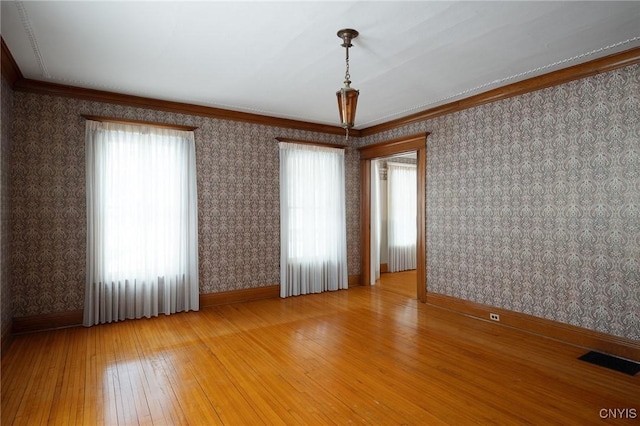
284	59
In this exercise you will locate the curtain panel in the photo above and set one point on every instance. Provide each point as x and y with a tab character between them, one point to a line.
142	233
312	220
375	217
402	220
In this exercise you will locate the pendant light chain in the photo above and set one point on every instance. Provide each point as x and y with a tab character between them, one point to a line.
347	76
347	96
347	82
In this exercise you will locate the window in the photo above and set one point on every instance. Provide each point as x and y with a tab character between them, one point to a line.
402	222
312	219
142	222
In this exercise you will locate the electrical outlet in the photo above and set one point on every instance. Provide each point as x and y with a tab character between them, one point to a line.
494	317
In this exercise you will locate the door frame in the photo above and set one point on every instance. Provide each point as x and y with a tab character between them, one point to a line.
418	143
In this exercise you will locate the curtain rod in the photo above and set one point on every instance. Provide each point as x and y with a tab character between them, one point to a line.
304	142
138	122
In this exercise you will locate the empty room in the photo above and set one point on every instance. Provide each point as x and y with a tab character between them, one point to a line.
255	212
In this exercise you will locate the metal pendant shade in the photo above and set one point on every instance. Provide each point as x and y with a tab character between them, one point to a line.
347	103
347	96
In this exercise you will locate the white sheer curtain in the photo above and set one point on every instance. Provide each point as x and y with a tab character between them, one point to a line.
402	219
375	222
312	220
142	234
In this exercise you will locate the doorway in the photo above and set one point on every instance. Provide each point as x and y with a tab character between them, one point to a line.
393	222
414	143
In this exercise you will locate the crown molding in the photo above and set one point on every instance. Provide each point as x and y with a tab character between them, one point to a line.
12	73
10	70
55	89
554	78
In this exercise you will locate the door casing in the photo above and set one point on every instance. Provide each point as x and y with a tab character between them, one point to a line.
418	143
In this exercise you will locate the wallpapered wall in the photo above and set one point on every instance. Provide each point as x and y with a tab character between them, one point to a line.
5	132
533	203
238	200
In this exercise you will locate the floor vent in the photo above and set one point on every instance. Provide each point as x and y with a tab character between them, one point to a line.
612	362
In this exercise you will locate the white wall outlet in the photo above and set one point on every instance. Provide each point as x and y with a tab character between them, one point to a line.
494	317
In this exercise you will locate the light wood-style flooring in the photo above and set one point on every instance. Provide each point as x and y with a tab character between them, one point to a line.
367	355
400	282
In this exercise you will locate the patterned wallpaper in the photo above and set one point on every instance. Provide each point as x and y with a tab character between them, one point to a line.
238	200
5	133
533	203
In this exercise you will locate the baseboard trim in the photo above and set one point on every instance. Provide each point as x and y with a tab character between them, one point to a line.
354	280
384	268
30	324
578	336
5	341
237	296
43	322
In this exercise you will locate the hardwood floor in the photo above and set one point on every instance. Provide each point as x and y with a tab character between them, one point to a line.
364	355
400	282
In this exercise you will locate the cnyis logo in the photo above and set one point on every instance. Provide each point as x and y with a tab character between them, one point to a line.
618	413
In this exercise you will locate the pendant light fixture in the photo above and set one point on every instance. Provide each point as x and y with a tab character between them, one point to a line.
347	96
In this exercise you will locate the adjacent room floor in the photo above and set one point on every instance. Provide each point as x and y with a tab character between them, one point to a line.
400	282
367	355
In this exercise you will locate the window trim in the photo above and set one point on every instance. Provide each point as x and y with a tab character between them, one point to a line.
138	122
